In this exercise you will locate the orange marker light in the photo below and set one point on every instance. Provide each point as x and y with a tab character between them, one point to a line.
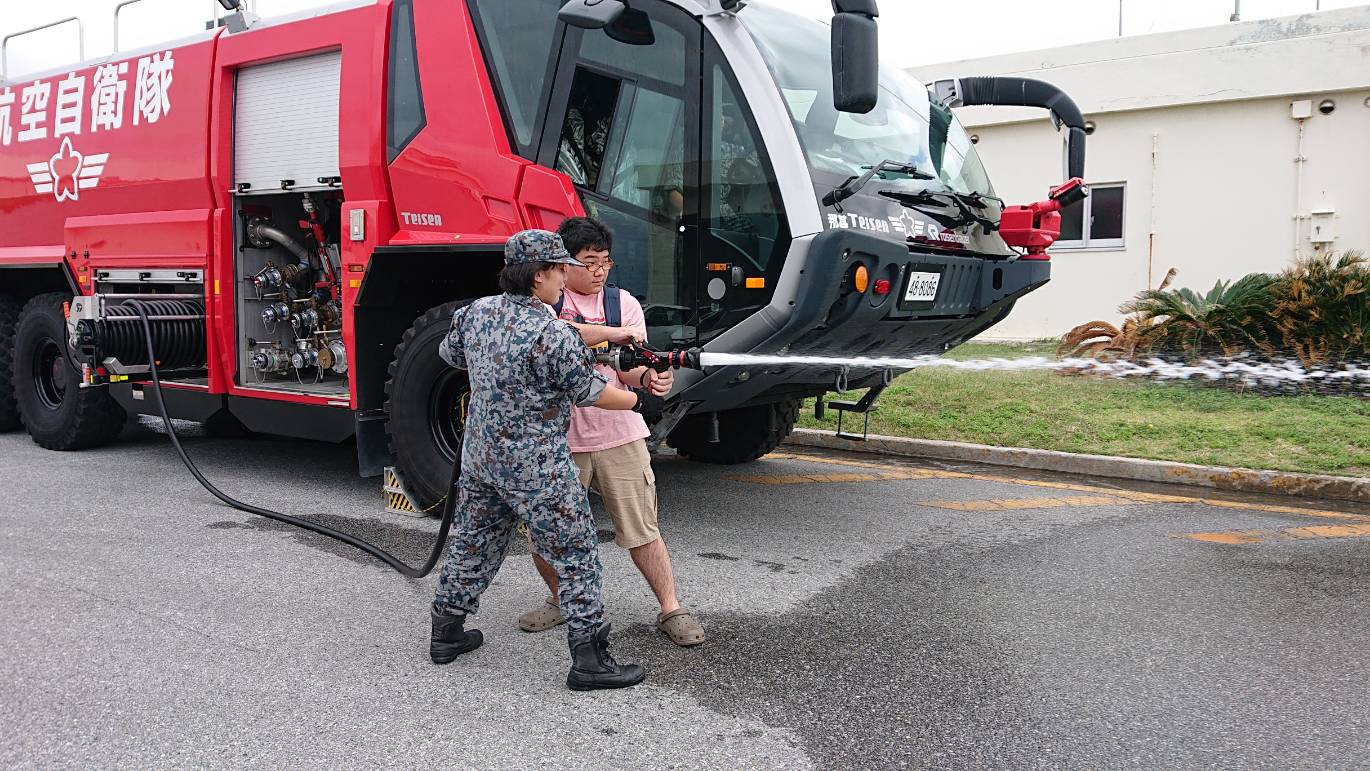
863	279
756	283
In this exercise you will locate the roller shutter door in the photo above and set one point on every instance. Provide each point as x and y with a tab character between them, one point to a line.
285	123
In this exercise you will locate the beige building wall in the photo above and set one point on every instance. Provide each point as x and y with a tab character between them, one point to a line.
1209	157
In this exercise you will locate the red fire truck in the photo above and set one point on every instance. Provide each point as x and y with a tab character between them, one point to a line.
303	201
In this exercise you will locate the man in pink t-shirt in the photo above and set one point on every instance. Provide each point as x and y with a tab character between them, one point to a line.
609	447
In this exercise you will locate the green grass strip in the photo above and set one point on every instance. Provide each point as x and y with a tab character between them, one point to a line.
1180	422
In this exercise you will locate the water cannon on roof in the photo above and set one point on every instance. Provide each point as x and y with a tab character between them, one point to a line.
240	18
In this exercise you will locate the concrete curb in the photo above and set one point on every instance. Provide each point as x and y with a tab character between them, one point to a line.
1237	479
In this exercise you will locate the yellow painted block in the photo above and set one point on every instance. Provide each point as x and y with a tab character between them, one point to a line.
1328	531
1231	538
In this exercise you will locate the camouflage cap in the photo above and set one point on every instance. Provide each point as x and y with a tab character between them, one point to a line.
537	246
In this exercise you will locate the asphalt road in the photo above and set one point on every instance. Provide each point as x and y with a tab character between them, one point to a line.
862	613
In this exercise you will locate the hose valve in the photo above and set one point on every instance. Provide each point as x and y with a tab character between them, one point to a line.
626	358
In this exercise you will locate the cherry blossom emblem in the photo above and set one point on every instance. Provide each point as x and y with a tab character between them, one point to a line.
67	172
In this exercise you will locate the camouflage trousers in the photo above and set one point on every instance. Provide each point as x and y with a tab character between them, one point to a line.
562	531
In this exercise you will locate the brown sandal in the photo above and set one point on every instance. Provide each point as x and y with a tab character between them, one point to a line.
683	629
542	619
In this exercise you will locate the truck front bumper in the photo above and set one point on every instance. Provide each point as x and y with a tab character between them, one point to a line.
830	318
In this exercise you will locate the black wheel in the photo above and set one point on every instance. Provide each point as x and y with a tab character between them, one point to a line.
744	434
9	320
426	402
58	413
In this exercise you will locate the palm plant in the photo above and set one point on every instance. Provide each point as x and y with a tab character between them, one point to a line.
1322	308
1228	319
1100	339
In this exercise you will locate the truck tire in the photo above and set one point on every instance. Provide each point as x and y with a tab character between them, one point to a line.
9	319
744	434
425	400
58	414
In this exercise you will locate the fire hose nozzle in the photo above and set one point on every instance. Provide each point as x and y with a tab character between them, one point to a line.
626	358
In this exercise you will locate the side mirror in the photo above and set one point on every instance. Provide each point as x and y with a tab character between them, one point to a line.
632	27
591	14
855	56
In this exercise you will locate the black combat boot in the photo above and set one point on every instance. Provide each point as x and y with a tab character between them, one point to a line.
593	668
449	640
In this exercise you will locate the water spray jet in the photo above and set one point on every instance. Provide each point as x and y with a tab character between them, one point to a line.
1244	369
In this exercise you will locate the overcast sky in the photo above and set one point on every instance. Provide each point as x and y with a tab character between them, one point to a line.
912	31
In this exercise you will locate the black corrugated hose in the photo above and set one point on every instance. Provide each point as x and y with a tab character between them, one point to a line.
1032	93
448	510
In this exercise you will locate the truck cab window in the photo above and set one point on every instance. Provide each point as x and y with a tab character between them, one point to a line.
516	36
744	210
624	143
649	170
662	61
585	132
647	196
404	112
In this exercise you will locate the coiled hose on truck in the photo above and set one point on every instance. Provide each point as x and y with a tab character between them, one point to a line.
448	509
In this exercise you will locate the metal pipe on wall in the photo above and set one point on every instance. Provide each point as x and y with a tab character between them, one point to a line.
1299	161
1151	236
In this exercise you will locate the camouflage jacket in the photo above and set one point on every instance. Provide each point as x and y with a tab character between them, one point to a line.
527	370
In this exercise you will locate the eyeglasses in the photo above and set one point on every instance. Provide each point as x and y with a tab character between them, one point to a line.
595	266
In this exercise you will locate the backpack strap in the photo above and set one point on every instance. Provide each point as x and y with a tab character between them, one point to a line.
613	306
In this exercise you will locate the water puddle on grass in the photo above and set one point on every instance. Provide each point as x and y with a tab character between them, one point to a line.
1244	370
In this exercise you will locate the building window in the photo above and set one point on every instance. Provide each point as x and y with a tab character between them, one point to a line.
1097	223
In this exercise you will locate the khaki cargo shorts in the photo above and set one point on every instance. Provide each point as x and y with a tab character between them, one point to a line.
624	479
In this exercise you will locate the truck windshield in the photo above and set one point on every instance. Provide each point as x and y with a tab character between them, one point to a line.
906	125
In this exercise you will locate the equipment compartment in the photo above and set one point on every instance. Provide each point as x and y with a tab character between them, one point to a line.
289	310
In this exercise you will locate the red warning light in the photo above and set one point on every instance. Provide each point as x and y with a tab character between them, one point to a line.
882	286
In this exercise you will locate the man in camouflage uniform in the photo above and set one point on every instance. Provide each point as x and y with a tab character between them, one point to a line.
527	370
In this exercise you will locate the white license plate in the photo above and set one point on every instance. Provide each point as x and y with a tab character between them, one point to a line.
922	287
